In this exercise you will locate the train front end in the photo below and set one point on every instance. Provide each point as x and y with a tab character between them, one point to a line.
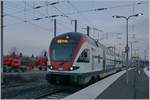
62	52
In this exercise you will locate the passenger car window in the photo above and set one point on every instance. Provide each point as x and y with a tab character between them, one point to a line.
85	56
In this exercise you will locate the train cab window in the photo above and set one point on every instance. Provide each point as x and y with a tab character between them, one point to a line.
85	56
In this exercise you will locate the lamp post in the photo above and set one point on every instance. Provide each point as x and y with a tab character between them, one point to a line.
127	47
131	54
2	31
132	42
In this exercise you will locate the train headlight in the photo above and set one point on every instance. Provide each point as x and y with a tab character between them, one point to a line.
71	68
50	66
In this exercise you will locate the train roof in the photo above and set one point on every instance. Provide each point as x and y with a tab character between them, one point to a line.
74	34
78	35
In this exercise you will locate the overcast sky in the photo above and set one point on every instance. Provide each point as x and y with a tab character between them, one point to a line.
33	36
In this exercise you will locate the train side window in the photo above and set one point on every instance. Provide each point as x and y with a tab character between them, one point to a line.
85	56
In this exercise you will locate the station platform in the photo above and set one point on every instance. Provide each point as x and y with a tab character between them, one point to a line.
137	87
115	87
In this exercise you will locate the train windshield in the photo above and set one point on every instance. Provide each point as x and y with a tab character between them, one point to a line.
63	52
63	46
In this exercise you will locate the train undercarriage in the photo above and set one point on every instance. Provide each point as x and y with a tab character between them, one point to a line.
81	79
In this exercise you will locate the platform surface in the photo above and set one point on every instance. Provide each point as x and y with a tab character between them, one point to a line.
137	88
115	87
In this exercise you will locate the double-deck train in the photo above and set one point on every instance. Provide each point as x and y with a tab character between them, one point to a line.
78	58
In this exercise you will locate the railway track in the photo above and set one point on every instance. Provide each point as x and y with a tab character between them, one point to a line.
63	91
21	90
41	90
38	91
10	86
50	94
60	92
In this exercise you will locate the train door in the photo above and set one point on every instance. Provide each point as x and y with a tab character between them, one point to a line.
92	59
97	59
104	59
92	68
115	58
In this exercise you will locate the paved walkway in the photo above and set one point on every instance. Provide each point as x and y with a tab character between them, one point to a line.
137	88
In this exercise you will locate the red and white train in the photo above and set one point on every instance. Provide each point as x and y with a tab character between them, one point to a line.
77	58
